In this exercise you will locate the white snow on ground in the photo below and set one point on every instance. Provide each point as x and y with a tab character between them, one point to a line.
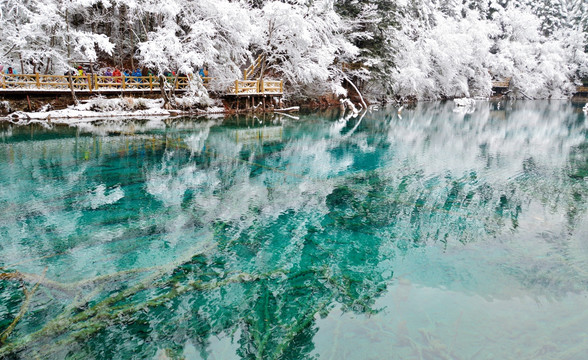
464	102
100	108
215	110
464	105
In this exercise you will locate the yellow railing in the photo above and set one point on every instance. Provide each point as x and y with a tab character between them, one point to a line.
147	83
253	68
97	83
501	84
244	87
582	89
182	82
271	87
89	82
44	82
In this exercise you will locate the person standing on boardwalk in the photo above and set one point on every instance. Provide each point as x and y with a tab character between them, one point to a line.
117	75
137	74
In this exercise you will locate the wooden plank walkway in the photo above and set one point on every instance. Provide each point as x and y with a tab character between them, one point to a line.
36	84
504	84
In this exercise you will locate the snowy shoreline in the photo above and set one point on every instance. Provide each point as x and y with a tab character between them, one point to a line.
126	108
98	109
101	108
64	116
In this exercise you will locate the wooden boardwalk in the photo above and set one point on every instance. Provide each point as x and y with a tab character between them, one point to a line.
257	87
504	85
36	84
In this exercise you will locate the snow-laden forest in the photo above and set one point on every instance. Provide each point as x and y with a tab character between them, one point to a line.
421	49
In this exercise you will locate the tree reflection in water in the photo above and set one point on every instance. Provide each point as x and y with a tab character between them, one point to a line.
158	238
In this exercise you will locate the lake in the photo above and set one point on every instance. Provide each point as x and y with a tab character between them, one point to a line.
434	233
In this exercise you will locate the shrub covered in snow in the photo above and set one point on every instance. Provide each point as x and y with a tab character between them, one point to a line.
5	107
118	104
196	96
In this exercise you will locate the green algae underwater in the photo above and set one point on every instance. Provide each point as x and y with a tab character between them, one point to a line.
436	233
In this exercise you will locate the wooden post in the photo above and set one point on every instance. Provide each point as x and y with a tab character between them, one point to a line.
72	88
124	82
236	86
38	81
150	83
89	79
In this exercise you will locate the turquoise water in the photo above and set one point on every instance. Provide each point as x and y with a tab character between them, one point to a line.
430	234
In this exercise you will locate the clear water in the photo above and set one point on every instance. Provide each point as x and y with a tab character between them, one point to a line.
433	234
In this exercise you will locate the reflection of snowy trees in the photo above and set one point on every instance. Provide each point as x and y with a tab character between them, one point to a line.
291	227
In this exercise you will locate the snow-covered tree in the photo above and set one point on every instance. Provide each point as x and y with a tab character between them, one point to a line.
405	48
450	59
540	66
193	34
40	36
300	41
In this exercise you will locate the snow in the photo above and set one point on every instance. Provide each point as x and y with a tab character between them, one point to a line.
418	49
464	102
100	108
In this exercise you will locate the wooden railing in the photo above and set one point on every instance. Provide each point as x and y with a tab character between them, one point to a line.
505	84
90	82
244	87
501	84
37	81
271	87
96	83
254	67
